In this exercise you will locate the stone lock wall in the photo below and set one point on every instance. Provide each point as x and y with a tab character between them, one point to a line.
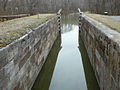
22	60
103	47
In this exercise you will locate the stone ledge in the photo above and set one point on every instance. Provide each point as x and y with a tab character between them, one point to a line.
103	47
21	60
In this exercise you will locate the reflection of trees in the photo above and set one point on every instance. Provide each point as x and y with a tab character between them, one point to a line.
68	22
44	78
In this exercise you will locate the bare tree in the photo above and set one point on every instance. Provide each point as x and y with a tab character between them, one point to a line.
42	6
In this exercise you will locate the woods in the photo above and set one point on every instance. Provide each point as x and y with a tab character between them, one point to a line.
100	6
37	6
44	6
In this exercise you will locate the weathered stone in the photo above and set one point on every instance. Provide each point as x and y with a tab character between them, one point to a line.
12	51
103	47
21	61
24	59
3	58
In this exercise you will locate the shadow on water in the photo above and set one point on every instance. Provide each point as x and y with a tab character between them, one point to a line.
44	78
67	66
89	73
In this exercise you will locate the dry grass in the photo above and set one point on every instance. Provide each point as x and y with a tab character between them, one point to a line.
114	24
13	15
14	29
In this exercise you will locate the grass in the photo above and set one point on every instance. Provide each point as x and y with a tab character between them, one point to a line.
13	15
14	29
114	24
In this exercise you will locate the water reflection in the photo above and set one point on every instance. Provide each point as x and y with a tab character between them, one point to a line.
44	78
69	72
67	22
72	70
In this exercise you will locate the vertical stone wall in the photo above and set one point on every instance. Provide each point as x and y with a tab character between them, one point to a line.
22	60
103	47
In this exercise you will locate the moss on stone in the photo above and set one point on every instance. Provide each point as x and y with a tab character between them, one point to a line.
14	29
114	24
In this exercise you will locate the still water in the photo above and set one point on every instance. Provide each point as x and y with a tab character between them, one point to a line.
67	66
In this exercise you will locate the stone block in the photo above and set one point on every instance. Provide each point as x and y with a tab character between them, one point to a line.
3	58
103	47
21	61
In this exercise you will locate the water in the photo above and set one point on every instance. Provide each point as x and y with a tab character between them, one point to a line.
67	66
